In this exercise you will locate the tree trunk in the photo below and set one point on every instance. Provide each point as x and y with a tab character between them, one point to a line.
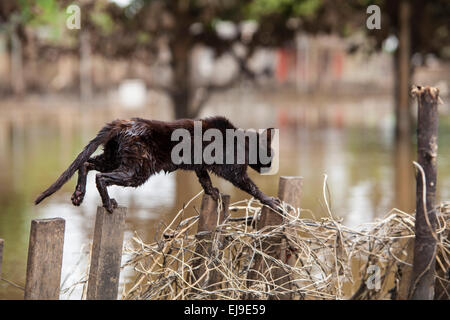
180	102
85	67
403	72
181	94
423	277
17	77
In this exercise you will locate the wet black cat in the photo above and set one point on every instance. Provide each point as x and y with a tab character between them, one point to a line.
136	149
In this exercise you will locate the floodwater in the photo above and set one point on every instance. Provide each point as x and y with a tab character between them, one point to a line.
367	176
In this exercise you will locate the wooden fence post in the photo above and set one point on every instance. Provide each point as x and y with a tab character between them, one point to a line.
289	191
208	221
1	255
106	256
406	270
423	275
45	252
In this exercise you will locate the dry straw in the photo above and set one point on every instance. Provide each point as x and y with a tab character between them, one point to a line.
329	260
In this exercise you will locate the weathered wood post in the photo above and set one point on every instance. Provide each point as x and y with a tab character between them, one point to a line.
106	256
45	253
1	255
289	191
423	275
209	219
405	270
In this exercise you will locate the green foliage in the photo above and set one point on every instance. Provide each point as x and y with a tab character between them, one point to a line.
143	38
43	13
103	21
259	8
107	20
307	7
101	18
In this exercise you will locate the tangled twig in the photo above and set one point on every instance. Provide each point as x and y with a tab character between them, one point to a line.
331	260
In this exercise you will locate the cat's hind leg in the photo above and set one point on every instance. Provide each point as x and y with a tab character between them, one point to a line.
124	176
97	163
80	189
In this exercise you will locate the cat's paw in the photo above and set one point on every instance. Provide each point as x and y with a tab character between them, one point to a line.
273	203
111	206
77	197
214	193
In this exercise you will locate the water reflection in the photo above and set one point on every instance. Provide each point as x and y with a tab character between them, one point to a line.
404	176
367	176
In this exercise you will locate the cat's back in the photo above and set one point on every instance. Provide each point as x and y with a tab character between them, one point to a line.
139	128
217	122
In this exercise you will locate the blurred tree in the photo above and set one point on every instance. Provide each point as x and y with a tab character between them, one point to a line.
146	29
421	27
17	18
143	29
9	24
179	26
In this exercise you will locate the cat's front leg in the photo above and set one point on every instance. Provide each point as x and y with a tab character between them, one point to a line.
205	181
247	185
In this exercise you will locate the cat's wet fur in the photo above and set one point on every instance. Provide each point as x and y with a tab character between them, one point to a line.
136	149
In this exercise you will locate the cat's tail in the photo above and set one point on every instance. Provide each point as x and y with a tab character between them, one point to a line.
105	134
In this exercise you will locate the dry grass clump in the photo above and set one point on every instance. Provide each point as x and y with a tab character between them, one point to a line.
324	260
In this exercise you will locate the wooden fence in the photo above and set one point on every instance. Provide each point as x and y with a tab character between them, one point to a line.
45	251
